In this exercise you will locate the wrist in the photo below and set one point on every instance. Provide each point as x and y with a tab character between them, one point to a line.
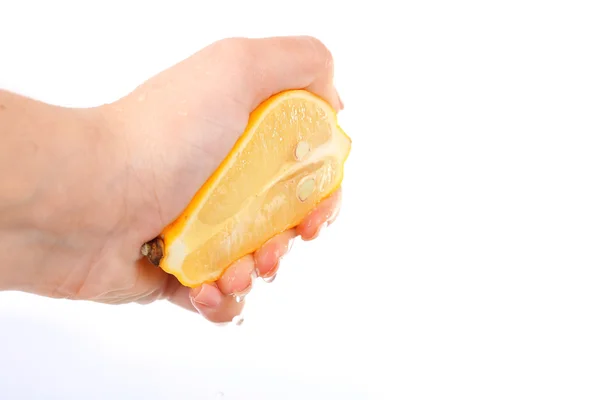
58	168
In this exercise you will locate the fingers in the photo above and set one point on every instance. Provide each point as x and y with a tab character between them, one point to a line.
268	256
207	300
215	306
237	279
323	215
222	301
268	66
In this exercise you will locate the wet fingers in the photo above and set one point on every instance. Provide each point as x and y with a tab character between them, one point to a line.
325	213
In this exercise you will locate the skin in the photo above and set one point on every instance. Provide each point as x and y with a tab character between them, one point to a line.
81	190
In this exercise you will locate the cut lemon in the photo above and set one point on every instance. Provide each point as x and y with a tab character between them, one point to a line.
289	158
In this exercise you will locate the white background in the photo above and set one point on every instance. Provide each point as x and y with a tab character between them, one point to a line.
465	263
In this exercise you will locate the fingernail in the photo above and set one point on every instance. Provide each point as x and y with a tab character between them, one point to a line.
319	230
269	279
270	276
340	100
240	296
333	217
322	228
208	297
288	249
291	244
237	320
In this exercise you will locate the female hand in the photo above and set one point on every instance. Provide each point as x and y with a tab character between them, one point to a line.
152	150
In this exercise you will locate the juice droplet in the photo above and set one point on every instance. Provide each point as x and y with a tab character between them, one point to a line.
240	297
238	320
269	279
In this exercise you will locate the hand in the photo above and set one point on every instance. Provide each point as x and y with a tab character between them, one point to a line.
165	139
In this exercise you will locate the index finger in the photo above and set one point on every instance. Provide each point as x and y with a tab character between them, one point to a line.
268	66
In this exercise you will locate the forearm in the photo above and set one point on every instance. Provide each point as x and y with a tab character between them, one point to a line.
51	161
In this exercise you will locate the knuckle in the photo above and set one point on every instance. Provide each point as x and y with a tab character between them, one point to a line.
237	50
236	57
322	52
